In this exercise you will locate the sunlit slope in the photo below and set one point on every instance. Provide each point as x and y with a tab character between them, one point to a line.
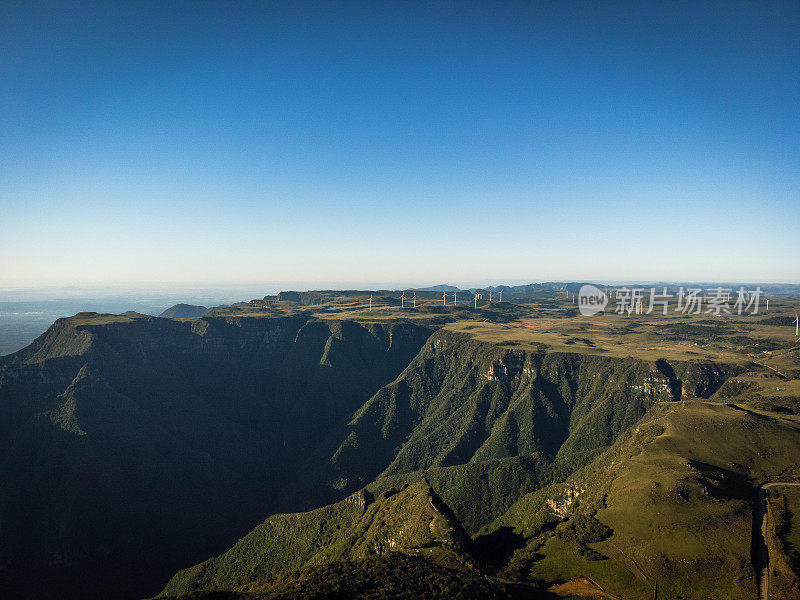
677	494
782	540
392	576
463	406
406	521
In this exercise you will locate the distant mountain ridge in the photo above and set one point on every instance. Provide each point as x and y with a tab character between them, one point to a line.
184	311
438	288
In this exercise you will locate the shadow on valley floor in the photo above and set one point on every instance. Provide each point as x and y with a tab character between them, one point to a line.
495	549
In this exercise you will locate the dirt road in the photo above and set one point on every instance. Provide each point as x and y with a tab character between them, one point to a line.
760	548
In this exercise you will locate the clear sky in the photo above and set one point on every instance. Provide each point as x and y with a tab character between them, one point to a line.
384	144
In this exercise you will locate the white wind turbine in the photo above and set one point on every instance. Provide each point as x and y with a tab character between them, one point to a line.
796	325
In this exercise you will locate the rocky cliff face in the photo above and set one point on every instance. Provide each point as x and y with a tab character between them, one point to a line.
133	444
461	401
130	444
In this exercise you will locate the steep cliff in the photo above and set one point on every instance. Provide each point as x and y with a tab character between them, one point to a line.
470	416
129	444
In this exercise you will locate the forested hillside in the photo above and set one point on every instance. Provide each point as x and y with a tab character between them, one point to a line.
129	444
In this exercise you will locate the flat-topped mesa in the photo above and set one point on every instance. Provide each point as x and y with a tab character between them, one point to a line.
186	410
247	415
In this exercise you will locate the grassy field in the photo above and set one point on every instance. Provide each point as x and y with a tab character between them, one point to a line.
783	539
792	534
678	494
767	338
764	346
724	338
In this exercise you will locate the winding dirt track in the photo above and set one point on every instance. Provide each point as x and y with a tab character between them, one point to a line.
760	549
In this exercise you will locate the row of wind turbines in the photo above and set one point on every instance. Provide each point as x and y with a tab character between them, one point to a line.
477	296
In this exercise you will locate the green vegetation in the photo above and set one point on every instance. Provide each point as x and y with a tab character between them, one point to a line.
141	444
409	520
583	530
677	493
626	450
395	576
479	491
782	537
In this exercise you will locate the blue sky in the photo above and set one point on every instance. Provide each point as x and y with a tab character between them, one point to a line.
389	144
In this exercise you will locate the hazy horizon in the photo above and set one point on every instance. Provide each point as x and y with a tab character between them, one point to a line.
235	292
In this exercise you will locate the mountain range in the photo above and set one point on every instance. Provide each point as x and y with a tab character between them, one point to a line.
133	447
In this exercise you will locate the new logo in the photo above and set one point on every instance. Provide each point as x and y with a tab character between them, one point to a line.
591	300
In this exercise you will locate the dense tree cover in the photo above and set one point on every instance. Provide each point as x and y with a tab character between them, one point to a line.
131	445
410	519
394	576
583	530
485	425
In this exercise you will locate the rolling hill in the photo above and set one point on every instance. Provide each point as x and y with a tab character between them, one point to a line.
184	311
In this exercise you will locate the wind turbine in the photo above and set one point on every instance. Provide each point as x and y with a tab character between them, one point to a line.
455	298
403	300
370	304
415	299
796	325
444	298
477	295
501	296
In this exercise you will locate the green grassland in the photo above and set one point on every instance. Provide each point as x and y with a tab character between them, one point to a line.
782	538
677	492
